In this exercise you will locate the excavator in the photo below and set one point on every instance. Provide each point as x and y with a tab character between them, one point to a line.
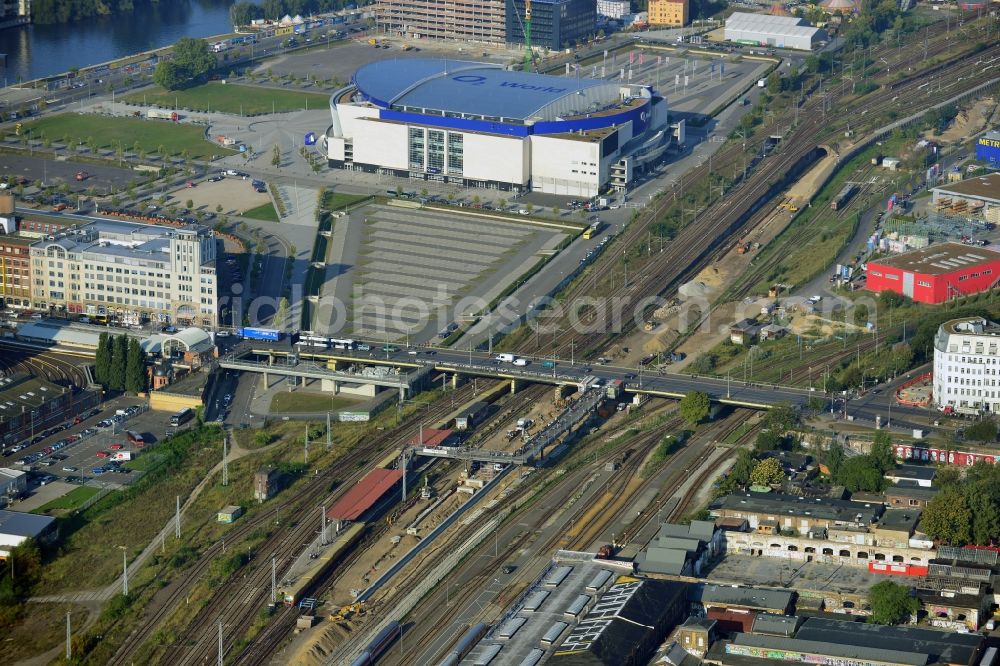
347	612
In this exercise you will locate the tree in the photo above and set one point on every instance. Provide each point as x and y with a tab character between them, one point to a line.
243	13
858	473
891	603
948	517
767	440
119	353
781	417
766	472
170	75
694	407
135	368
983	503
193	55
984	431
282	312
774	83
276	156
834	459
273	9
102	359
189	203
882	455
744	465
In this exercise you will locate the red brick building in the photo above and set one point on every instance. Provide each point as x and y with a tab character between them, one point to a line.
937	273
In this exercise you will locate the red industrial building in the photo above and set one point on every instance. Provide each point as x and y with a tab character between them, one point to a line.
937	273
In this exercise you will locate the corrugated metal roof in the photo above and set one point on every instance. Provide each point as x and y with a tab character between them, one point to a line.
365	494
23	524
478	89
430	437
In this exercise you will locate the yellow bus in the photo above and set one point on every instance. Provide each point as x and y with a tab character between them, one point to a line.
592	231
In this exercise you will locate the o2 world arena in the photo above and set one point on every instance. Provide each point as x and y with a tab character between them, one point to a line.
481	125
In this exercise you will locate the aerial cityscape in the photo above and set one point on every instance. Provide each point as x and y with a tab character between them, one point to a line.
510	332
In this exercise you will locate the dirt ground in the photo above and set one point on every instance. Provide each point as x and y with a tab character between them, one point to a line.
235	195
967	123
716	277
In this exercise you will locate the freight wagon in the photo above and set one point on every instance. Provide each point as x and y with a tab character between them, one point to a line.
472	416
843	197
468	641
378	645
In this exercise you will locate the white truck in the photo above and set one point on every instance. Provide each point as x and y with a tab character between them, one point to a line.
506	358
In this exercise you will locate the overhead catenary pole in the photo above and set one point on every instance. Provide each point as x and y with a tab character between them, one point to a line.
322	520
274	580
177	519
219	662
329	435
69	642
225	460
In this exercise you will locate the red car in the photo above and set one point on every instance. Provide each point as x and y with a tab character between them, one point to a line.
103	454
117	447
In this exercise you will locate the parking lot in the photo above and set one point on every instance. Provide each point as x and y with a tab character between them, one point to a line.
235	195
72	454
417	270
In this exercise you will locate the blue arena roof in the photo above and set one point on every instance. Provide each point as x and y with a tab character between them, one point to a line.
478	89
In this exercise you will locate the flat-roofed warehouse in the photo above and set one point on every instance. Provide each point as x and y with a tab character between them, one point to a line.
480	125
783	32
977	197
937	273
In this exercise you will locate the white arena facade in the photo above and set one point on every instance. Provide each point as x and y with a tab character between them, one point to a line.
480	125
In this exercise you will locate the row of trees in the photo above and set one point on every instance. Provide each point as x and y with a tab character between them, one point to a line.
65	11
119	364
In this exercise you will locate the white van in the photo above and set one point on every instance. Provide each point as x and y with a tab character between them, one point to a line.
521	361
506	358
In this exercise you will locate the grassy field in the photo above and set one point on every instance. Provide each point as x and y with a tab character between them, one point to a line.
306	403
338	200
266	212
228	98
152	136
69	501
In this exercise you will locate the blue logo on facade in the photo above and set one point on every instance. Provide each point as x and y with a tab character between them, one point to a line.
471	79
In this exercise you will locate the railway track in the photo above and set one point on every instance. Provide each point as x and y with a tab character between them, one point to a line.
263	647
15	360
714	229
238	600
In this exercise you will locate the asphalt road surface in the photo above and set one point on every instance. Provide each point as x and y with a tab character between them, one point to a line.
52	172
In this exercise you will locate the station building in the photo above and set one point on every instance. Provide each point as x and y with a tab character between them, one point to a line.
966	366
480	125
937	273
128	271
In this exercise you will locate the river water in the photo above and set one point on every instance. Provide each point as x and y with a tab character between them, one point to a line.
34	51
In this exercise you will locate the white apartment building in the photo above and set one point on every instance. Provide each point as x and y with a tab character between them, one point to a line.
128	272
614	9
967	366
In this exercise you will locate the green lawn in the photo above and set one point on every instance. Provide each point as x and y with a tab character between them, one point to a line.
69	501
144	462
308	403
337	200
265	213
229	98
152	136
